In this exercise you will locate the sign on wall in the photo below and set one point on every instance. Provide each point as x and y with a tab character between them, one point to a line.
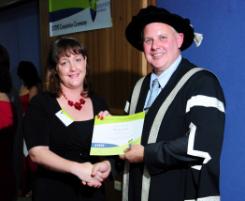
78	15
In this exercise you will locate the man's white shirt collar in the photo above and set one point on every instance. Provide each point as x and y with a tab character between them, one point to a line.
164	77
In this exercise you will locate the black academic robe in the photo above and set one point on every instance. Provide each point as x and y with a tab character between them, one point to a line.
184	162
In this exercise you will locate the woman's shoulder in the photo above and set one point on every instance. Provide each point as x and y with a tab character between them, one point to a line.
23	90
33	91
4	97
43	102
43	97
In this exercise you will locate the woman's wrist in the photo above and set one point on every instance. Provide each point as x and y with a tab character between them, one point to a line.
73	169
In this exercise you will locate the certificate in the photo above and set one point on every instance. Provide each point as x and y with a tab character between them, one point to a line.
113	134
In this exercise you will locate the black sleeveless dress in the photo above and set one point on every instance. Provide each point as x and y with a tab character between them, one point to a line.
42	127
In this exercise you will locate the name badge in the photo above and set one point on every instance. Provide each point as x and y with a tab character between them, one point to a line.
64	117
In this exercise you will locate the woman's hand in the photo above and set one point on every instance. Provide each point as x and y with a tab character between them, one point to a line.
103	114
84	172
43	156
101	170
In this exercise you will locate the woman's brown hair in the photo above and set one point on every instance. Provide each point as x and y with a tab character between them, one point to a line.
60	47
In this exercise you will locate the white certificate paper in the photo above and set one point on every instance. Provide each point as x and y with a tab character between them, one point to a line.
113	134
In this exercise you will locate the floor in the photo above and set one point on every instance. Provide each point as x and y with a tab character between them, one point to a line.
24	199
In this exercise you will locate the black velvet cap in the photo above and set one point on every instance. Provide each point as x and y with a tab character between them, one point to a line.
134	30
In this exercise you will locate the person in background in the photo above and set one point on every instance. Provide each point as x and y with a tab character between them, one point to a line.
179	155
58	129
7	129
31	86
31	82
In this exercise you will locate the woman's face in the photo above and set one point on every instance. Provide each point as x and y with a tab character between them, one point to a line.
71	69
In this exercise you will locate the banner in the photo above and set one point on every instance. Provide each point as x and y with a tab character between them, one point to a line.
72	16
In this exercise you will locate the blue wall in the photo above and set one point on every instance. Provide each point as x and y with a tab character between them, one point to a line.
222	51
19	33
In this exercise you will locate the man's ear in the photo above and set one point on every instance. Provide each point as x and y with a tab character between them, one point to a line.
180	39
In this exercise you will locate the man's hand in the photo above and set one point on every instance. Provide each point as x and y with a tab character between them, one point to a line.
134	154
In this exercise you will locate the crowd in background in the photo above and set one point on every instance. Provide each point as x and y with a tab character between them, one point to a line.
16	170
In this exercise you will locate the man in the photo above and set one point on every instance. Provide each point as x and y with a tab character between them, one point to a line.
179	155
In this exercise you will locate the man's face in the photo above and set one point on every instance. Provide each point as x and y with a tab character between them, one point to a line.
161	45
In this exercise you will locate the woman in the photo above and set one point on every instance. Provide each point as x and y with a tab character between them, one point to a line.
31	85
58	130
7	129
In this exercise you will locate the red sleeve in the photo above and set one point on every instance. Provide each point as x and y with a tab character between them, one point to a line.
6	114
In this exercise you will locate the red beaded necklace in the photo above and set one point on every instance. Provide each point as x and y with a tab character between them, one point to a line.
77	104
